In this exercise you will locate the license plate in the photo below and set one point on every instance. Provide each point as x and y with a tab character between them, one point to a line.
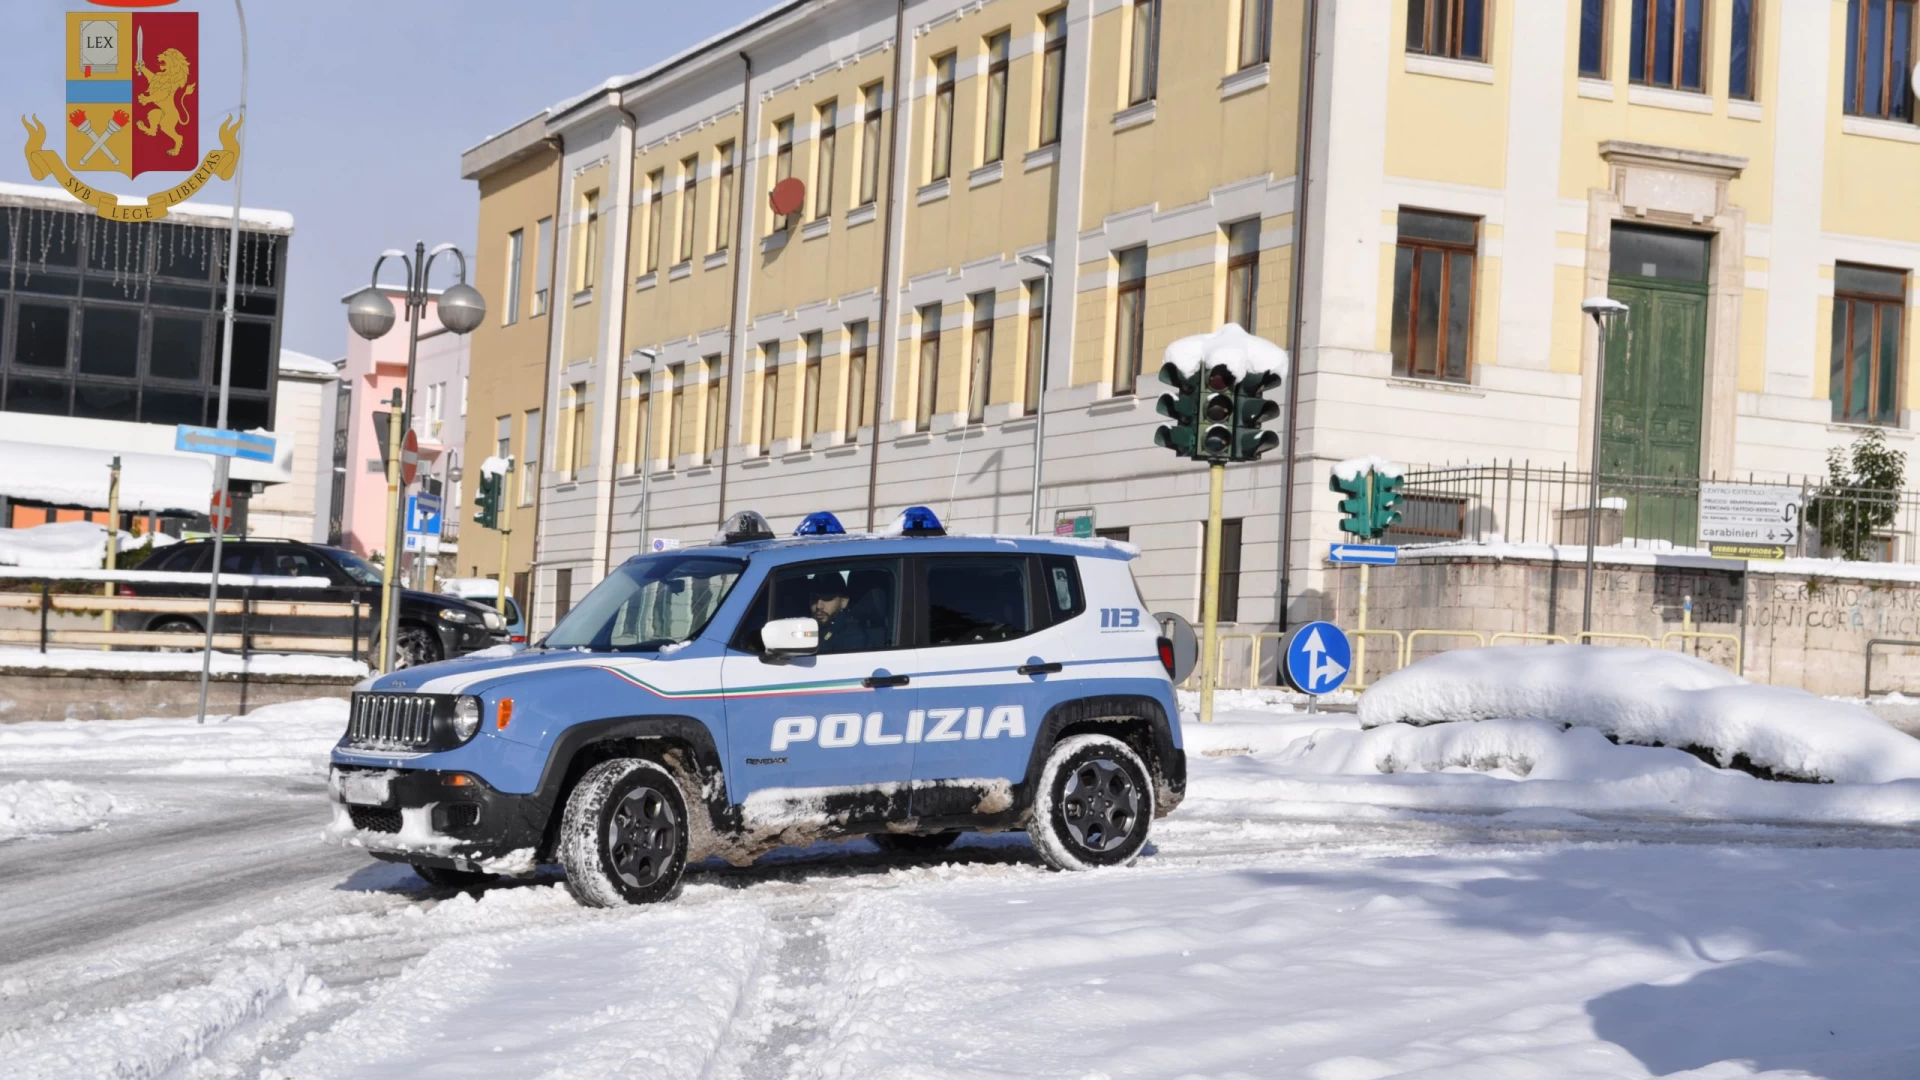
366	788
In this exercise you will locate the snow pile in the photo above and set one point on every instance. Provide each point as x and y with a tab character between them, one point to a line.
494	466
1654	698
1241	352
66	545
16	658
293	739
33	807
1360	466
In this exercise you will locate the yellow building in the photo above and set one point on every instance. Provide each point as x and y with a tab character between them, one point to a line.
1475	170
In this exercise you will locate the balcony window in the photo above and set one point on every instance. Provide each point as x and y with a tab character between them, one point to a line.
1668	37
1433	296
1455	29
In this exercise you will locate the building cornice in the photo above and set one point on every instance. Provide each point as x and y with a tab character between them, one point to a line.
1622	152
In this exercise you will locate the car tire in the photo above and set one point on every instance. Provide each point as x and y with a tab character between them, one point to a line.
446	877
176	625
415	645
1093	804
913	843
623	838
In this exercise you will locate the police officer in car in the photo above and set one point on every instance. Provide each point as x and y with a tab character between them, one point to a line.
839	631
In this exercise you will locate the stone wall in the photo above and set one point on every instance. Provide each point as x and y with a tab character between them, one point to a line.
39	694
1796	628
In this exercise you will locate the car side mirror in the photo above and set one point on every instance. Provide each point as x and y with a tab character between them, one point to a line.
782	638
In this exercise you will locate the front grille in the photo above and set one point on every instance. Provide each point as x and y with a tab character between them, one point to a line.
375	819
391	721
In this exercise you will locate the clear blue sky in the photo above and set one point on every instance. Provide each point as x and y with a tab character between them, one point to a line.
358	111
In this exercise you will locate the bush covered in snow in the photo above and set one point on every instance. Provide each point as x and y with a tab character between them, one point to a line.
1650	697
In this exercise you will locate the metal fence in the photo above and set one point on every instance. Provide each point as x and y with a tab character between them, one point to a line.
1523	503
250	618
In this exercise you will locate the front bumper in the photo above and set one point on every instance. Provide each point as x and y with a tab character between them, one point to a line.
425	816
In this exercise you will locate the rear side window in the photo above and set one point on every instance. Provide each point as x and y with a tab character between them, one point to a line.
292	562
180	559
976	599
241	559
1060	585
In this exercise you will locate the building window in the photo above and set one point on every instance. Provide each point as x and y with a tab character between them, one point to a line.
1256	29
590	241
723	208
927	385
1452	28
1867	324
859	408
1593	39
769	381
980	363
1879	58
1129	318
656	216
562	592
940	166
1143	70
783	165
1668	36
1036	344
1229	603
716	408
503	436
1743	64
1433	295
530	458
995	146
1053	71
823	167
870	144
689	205
543	264
574	434
810	391
1243	273
514	240
676	413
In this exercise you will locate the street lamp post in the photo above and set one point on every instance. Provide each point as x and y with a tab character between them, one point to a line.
370	314
1045	263
1605	311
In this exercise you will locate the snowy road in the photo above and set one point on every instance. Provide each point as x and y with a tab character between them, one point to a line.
171	913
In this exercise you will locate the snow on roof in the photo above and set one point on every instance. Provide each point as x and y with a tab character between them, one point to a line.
191	212
1240	351
305	364
1357	466
494	466
78	476
621	82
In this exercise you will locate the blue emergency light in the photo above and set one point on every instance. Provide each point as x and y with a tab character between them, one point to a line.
820	523
920	521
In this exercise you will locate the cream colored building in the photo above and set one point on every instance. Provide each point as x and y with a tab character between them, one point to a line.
1475	169
306	386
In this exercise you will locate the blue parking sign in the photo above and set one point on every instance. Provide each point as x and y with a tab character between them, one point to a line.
1318	658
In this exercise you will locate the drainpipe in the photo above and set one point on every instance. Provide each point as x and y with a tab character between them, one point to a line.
742	251
889	342
620	353
1303	162
556	310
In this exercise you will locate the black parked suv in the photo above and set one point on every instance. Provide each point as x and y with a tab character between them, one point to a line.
432	627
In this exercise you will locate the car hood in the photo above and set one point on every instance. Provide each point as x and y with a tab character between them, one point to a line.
486	665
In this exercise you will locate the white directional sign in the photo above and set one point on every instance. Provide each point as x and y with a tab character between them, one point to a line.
1749	521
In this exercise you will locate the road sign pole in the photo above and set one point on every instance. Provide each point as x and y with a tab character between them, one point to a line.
1210	592
394	527
1360	646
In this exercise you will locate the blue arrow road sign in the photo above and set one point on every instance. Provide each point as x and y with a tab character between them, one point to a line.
223	443
1318	658
1372	554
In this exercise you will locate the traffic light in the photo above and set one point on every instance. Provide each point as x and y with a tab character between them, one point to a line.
1252	411
1183	408
491	484
1217	411
1386	492
1368	507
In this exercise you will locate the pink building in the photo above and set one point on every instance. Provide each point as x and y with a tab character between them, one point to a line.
371	373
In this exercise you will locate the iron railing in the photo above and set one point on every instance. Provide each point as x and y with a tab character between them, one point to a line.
1519	502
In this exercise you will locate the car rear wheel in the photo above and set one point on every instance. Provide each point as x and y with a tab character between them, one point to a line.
913	843
177	626
1093	804
623	839
415	645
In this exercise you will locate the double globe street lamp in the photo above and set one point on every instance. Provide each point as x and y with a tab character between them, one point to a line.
370	314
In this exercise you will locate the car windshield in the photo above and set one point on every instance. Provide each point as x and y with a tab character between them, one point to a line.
648	603
356	567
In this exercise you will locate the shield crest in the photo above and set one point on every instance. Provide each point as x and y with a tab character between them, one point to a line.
131	101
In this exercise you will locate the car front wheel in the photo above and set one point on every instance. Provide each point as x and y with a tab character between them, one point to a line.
1093	805
623	839
415	645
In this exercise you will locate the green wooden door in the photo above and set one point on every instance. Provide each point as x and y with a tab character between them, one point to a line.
1651	406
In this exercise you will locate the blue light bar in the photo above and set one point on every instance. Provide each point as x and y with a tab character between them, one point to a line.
920	521
820	523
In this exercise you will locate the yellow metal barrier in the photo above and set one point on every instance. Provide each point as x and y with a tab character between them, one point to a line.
1253	665
1406	650
1551	639
1587	637
1220	660
1739	659
1358	681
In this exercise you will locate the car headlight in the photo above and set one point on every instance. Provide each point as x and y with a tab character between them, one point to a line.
455	615
466	717
494	621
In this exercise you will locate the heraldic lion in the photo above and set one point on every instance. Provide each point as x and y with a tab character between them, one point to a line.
162	86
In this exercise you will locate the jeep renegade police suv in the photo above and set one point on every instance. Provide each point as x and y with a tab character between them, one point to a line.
758	692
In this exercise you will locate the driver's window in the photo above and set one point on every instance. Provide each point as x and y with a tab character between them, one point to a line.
971	600
855	601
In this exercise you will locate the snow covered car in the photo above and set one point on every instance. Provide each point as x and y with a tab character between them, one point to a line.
757	692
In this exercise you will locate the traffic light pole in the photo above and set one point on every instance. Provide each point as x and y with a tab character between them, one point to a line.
506	534
1210	591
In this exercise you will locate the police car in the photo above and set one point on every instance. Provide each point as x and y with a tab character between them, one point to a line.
757	692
